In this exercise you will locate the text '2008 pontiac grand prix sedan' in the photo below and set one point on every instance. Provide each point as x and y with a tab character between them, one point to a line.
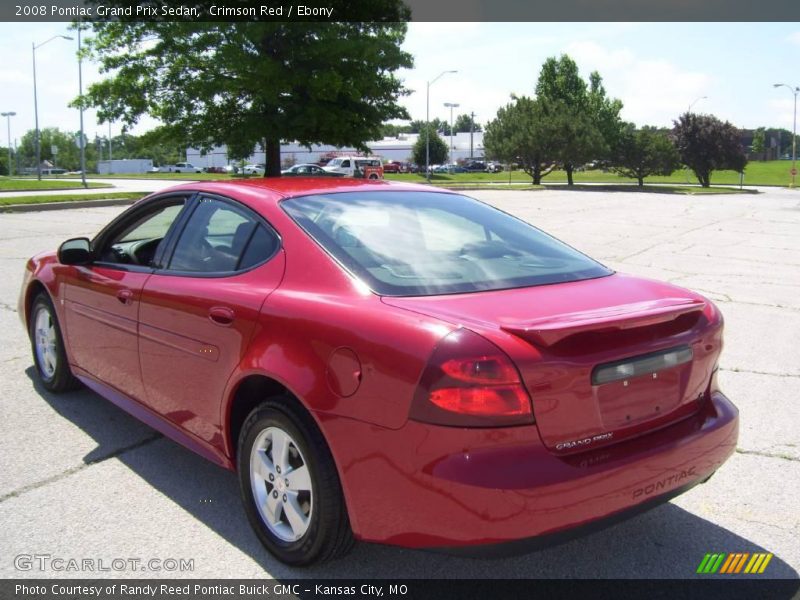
387	362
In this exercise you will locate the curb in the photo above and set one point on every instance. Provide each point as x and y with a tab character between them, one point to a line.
44	206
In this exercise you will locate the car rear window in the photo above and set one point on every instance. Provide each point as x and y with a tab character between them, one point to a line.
404	243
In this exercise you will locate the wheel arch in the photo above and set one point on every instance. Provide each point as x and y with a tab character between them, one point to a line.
250	390
35	287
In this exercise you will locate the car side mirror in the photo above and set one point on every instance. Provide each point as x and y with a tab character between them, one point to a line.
76	251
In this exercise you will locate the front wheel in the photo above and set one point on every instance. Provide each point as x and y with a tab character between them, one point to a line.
47	345
290	487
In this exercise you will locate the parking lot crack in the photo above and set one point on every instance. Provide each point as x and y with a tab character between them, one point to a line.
767	454
753	372
78	468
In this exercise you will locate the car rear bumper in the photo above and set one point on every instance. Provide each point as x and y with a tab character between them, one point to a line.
441	487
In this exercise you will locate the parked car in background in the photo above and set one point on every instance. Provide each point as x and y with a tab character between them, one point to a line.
451	168
309	170
494	167
253	169
356	166
475	165
395	166
386	362
181	167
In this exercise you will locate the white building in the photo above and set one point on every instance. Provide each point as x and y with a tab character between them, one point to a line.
398	148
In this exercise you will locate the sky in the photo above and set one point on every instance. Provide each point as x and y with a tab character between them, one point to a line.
656	69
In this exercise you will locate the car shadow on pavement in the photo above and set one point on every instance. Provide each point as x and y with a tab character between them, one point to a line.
667	542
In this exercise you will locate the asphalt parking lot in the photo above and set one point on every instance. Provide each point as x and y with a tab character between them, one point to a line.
82	479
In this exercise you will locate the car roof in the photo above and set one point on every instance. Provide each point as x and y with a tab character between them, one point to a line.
278	188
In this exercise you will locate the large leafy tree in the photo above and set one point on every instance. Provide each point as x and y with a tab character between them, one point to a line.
522	132
438	149
248	83
706	144
588	121
644	152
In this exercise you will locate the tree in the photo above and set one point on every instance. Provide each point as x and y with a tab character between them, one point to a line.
244	83
583	114
392	130
67	155
706	144
639	154
522	133
438	149
604	112
4	161
760	142
465	123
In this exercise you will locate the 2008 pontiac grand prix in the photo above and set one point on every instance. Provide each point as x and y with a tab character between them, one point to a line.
387	362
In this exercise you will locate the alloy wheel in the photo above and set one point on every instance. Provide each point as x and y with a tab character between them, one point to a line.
281	484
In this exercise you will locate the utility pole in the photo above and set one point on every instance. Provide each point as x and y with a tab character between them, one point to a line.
82	142
471	131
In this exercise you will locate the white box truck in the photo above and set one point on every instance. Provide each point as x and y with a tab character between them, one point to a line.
131	166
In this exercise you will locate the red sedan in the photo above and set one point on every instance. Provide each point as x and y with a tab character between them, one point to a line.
387	362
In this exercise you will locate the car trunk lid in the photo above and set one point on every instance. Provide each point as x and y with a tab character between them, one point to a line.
603	359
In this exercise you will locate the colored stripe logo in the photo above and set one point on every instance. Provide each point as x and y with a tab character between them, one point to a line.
734	563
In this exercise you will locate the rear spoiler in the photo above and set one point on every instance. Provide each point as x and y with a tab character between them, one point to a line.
551	330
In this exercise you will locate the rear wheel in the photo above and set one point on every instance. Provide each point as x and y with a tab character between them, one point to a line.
47	345
290	487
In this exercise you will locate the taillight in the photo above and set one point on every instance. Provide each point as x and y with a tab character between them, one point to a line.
470	382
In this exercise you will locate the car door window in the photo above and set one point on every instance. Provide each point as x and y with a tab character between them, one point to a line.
136	241
222	238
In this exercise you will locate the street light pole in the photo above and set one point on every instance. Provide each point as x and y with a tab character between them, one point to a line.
82	141
34	47
451	106
795	90
8	116
428	122
695	102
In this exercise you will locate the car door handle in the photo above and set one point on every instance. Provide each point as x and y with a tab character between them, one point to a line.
221	315
125	296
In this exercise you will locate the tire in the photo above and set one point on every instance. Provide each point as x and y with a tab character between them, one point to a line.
301	520
373	176
47	345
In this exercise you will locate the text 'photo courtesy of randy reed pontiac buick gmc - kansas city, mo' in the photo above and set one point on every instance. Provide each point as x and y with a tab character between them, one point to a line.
387	362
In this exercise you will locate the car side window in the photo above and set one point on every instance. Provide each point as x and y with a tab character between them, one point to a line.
345	164
222	238
137	241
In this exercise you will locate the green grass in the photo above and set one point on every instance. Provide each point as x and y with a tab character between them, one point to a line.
688	190
46	199
775	172
29	185
180	176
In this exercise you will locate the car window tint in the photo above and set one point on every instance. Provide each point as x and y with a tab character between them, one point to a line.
152	225
424	243
220	237
137	241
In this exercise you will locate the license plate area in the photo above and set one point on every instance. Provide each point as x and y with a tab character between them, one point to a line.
642	388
